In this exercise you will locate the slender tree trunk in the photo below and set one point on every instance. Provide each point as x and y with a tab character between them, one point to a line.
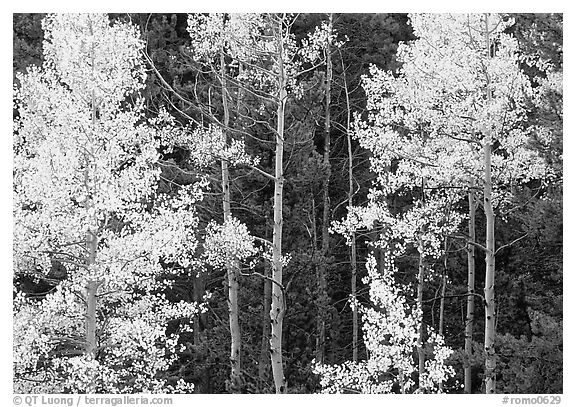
353	255
489	331
443	290
354	268
443	299
278	302
240	104
235	343
314	229
379	250
420	291
91	248
91	299
322	285
401	382
198	288
469	331
232	268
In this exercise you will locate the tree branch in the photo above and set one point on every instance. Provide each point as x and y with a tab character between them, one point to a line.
255	273
261	172
268	242
511	243
455	296
478	245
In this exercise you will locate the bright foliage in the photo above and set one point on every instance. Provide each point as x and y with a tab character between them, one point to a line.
85	168
390	329
432	116
426	128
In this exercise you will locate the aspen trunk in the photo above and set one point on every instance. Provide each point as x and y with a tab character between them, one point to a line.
322	285
442	298
278	306
198	288
353	263
91	248
235	338
469	330
240	108
91	291
490	329
353	293
231	268
443	290
420	291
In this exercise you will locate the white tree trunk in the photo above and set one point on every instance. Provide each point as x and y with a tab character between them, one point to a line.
469	330
91	248
278	305
490	328
420	291
232	269
443	290
91	299
353	255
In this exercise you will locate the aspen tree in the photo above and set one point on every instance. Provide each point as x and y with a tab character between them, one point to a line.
211	41
271	62
85	163
352	240
462	84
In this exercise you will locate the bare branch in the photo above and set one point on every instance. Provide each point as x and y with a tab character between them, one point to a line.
511	243
455	296
475	244
268	242
255	273
262	172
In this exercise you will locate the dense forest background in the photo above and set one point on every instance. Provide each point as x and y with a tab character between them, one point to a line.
528	287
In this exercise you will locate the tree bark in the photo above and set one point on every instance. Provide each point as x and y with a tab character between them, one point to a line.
353	277
91	248
443	290
232	267
353	255
278	306
489	331
443	299
420	291
469	330
198	288
91	299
